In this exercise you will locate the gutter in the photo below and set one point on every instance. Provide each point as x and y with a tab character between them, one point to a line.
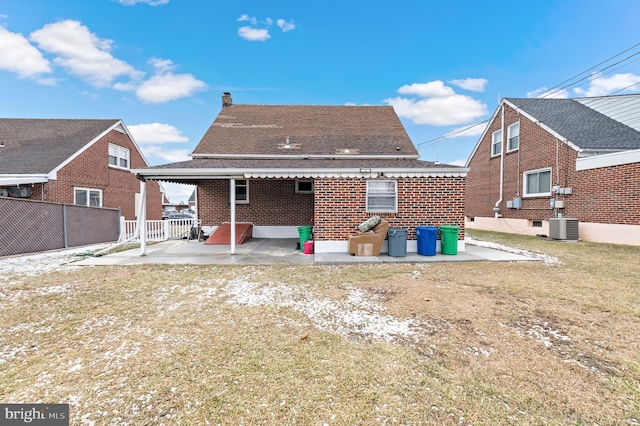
305	156
243	173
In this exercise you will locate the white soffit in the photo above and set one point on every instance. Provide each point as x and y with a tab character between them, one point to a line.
608	160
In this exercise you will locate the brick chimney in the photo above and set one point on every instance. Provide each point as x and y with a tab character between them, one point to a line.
226	99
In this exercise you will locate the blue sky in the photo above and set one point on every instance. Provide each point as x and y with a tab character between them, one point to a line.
162	65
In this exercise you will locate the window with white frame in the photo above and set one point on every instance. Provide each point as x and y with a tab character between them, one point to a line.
496	143
304	187
87	197
242	191
513	137
382	196
118	156
537	183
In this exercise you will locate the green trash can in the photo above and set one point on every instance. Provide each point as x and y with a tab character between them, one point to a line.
449	239
305	235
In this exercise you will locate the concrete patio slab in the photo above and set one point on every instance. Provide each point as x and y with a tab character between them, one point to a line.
277	252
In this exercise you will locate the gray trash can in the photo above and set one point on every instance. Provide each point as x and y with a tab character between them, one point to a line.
397	242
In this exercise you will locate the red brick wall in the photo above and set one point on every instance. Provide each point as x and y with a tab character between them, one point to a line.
340	205
91	169
271	203
605	195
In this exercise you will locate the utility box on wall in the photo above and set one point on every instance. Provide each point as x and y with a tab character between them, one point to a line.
516	203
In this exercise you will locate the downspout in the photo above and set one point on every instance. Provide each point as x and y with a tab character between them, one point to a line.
496	209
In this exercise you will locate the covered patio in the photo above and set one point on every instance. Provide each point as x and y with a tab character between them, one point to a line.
267	251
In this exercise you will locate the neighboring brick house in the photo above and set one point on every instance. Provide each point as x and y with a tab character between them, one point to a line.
545	158
85	162
290	165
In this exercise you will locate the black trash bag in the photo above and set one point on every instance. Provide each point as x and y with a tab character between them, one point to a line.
20	192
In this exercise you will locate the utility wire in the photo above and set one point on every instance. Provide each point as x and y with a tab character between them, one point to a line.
547	94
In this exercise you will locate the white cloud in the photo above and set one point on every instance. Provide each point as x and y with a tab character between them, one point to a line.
47	81
602	86
149	2
465	131
165	154
432	89
473	84
82	53
442	106
19	56
285	26
166	86
543	92
248	18
3	16
155	133
254	34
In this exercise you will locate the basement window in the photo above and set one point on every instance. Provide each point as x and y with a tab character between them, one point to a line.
304	187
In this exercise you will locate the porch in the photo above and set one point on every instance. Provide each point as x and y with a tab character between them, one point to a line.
281	251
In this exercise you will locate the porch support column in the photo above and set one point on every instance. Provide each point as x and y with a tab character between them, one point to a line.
232	197
142	217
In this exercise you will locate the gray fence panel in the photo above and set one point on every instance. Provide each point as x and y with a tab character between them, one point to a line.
88	225
32	226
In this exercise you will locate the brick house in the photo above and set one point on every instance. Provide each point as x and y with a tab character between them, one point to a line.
84	162
546	158
289	165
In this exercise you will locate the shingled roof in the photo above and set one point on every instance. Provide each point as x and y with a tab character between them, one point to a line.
294	130
38	146
581	125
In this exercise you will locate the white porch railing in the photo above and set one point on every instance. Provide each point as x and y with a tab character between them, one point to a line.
159	230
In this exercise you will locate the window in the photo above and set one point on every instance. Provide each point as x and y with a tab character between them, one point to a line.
242	191
87	197
496	143
513	137
537	183
382	196
118	156
304	187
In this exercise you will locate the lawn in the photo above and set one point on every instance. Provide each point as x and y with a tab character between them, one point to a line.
545	342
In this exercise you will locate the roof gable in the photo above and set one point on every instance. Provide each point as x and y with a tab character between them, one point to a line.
255	131
580	124
39	146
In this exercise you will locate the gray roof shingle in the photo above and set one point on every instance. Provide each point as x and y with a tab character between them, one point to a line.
312	130
581	125
37	146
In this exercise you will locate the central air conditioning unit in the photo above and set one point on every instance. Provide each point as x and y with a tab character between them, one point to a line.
4	192
563	229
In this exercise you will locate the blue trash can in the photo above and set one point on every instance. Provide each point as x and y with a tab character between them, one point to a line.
427	237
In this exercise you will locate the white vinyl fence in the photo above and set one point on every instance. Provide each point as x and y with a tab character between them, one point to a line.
160	230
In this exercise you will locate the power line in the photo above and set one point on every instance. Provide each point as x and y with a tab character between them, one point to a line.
548	94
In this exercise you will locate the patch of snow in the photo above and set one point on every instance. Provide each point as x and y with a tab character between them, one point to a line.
14	270
550	260
357	314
